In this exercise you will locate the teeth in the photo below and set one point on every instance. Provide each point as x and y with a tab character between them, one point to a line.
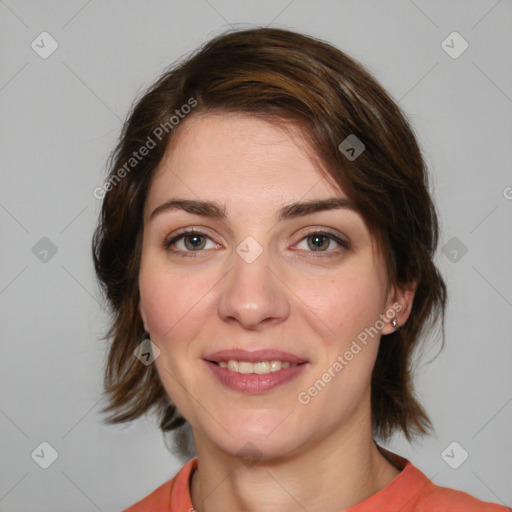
259	367
275	366
244	367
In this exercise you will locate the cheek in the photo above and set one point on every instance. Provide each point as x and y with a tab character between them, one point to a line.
173	307
342	312
344	306
172	300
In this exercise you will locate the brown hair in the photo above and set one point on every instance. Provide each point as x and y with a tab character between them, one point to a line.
283	76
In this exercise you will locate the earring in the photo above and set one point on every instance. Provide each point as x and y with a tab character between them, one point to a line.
394	323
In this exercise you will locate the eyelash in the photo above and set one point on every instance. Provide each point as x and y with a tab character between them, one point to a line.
167	243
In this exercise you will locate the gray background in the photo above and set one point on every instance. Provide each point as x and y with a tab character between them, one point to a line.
60	119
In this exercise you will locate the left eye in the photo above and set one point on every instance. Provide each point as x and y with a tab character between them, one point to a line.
320	242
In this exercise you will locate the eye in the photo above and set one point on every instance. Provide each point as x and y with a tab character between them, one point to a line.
189	241
320	241
193	241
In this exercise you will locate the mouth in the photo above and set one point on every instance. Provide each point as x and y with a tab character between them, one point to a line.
258	367
256	371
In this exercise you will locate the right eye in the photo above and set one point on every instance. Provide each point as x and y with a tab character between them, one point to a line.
188	242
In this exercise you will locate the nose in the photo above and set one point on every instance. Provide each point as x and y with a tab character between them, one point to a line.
253	294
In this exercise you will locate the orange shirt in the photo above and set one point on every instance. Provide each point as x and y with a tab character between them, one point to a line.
410	491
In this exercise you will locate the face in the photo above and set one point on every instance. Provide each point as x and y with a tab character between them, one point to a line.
301	286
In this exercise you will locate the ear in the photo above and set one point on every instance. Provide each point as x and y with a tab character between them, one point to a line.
398	306
143	316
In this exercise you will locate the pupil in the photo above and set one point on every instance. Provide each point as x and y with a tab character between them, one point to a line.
319	238
195	241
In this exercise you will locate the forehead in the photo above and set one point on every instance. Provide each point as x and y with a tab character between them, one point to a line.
240	158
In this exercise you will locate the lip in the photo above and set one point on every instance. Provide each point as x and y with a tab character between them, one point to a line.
253	382
254	356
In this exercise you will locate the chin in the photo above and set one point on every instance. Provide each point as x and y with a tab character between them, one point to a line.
251	443
250	449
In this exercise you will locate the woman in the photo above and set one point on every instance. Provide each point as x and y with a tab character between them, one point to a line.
266	245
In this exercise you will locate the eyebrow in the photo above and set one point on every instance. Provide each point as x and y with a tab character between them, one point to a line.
216	210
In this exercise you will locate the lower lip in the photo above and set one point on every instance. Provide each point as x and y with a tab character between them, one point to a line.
254	382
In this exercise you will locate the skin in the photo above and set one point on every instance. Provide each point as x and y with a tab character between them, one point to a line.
320	456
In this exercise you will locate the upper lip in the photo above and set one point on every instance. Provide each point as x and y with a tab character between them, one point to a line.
254	356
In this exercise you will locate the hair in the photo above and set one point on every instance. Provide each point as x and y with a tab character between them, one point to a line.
278	75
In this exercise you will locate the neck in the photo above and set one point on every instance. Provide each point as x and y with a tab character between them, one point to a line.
337	472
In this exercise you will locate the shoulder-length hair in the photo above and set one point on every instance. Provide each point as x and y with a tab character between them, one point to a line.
282	76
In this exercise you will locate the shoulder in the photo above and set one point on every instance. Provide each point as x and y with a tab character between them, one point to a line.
413	491
158	500
444	499
172	495
450	500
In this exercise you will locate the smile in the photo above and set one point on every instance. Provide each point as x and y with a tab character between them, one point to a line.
258	367
254	371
